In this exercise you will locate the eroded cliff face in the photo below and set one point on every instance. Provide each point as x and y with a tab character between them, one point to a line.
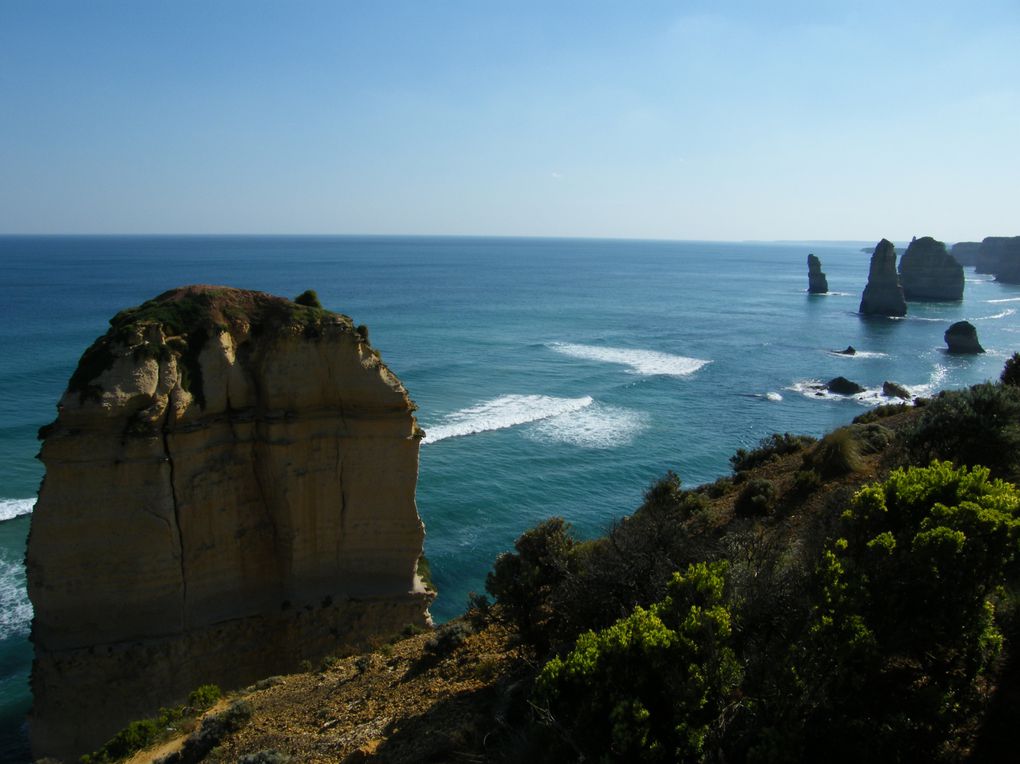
929	273
883	294
229	490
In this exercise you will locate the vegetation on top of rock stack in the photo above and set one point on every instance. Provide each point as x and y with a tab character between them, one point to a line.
189	317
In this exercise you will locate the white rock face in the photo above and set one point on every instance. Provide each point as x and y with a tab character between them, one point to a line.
227	493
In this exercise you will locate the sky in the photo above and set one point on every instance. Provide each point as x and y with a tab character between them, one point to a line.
638	119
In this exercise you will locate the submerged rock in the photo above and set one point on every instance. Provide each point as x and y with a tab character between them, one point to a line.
817	283
229	491
962	337
883	295
843	386
894	390
929	273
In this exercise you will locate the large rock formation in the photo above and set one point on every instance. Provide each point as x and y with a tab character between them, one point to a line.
962	338
929	273
229	490
1000	256
966	252
883	295
817	283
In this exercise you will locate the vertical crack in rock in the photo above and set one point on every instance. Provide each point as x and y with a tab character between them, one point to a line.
177	517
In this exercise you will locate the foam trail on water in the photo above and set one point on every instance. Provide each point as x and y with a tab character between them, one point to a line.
1004	299
645	362
11	508
1004	314
597	426
860	354
15	608
501	413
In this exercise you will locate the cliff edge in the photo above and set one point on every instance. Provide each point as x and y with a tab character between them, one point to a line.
229	491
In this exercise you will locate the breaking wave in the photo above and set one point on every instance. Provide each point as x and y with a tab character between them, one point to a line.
644	362
501	413
11	508
872	396
860	354
1004	299
597	426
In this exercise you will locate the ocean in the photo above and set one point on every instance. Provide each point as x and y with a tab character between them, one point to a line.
553	376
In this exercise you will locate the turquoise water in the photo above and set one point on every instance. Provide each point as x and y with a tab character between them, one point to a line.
554	377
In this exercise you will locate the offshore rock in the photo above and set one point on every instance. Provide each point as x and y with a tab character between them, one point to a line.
1000	256
966	252
929	273
883	295
894	390
229	491
962	337
843	386
817	283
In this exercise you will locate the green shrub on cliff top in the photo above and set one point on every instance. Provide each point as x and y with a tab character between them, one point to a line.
772	447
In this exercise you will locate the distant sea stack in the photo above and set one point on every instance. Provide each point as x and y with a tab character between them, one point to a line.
883	295
962	338
817	283
1000	256
966	252
929	273
229	491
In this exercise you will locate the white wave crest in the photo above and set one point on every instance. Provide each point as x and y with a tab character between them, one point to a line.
596	426
1004	314
11	508
775	397
15	607
872	396
645	362
1004	299
860	354
501	413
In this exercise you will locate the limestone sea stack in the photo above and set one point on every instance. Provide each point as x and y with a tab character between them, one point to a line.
966	252
929	273
229	490
817	283
962	338
883	295
1000	256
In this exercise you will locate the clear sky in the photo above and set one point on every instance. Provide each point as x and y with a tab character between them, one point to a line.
643	119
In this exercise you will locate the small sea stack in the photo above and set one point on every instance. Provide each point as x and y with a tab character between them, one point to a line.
817	283
843	386
929	273
962	338
894	390
883	295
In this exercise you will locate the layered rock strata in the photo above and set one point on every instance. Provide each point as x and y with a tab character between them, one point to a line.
229	491
883	295
962	338
929	273
817	283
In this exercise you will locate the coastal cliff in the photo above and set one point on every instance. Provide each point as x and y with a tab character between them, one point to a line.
229	491
1000	256
929	273
966	252
883	294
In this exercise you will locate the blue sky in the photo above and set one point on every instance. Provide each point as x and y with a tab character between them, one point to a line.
643	119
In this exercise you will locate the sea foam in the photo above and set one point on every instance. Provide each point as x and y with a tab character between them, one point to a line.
1002	314
598	426
644	362
872	396
15	608
501	413
11	508
1004	299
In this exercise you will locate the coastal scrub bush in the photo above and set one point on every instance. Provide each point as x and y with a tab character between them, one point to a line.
1011	371
757	498
980	425
805	482
136	736
904	624
213	731
650	687
309	298
838	453
881	412
203	697
265	756
771	447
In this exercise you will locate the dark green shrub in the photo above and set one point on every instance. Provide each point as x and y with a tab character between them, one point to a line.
757	498
265	756
1011	371
772	447
805	483
838	453
719	488
448	638
309	299
881	412
652	686
136	736
204	697
980	425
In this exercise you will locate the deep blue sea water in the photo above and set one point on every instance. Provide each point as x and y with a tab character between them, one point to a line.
553	377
